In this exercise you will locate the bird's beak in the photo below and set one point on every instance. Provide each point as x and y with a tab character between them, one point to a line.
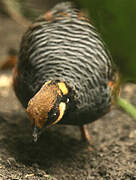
36	133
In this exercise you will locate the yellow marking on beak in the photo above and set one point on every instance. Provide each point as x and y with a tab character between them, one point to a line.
62	107
63	88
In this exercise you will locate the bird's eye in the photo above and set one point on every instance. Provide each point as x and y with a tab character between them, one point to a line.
67	100
54	114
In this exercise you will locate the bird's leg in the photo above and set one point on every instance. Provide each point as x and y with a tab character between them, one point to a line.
85	134
86	137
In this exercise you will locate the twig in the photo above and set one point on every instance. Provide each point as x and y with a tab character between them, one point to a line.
13	10
128	107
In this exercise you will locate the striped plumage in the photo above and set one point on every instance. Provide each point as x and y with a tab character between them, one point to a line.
63	46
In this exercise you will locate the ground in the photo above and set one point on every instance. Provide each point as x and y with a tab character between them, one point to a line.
60	154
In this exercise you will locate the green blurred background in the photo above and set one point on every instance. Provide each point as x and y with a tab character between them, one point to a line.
116	21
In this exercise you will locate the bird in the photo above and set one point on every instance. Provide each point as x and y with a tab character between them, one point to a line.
64	73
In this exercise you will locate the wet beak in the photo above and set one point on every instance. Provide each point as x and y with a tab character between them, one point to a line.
36	133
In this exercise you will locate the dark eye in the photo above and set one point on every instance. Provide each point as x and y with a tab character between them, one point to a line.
54	114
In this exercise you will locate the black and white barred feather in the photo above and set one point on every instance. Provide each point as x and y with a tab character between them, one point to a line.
66	47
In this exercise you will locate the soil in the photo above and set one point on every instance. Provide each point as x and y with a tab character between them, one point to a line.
60	153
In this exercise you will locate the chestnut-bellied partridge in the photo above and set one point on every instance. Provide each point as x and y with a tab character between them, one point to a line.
64	73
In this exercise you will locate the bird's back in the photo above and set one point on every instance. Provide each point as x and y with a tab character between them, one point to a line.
63	45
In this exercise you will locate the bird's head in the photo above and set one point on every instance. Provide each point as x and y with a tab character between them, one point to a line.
48	106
